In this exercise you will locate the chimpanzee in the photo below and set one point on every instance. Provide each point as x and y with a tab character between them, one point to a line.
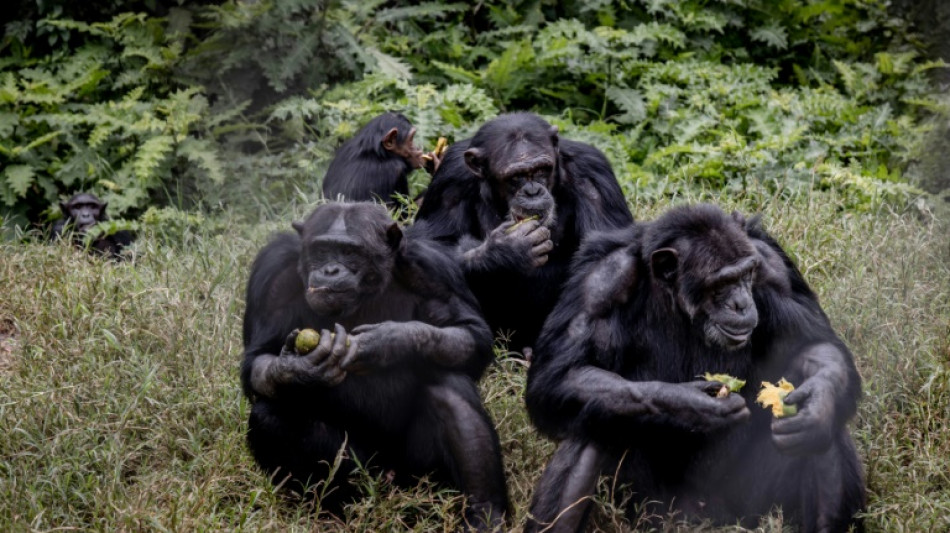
392	379
616	379
517	200
80	214
376	162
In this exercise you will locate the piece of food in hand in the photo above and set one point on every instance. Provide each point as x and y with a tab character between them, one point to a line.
440	146
307	340
733	384
439	149
773	397
520	222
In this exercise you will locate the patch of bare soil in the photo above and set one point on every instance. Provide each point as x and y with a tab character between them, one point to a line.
8	343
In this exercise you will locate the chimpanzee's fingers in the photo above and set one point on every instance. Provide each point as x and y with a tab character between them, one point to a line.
291	339
362	329
542	249
340	342
350	361
799	395
539	233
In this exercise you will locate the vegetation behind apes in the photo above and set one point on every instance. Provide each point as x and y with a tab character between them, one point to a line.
240	104
207	125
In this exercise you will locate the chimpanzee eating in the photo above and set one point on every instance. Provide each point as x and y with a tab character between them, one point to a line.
517	200
616	379
392	380
376	162
80	214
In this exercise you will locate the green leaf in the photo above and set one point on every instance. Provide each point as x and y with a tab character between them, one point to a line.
425	9
773	35
19	178
390	66
632	103
150	155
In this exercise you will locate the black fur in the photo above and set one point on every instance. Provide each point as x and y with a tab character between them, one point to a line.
82	212
418	414
363	170
630	343
462	208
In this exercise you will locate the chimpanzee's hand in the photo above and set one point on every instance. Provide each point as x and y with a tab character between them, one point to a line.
525	243
322	364
431	162
812	429
694	406
377	346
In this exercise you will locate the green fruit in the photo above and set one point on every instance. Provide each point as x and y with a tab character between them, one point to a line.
734	384
307	340
788	409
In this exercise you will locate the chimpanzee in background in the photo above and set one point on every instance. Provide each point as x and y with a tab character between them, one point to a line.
647	311
393	377
80	214
517	200
376	162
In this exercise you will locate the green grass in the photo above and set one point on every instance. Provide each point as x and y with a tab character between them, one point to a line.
120	405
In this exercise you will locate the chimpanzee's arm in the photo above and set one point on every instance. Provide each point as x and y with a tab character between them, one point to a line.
802	341
508	247
448	331
592	188
274	308
574	382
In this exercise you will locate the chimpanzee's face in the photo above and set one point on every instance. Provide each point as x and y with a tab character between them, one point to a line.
711	278
520	161
347	256
84	211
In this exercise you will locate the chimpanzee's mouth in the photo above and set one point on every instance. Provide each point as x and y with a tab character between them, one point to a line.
736	336
521	215
322	290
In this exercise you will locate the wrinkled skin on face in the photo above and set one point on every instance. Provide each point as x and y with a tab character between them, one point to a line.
341	267
519	163
714	290
85	211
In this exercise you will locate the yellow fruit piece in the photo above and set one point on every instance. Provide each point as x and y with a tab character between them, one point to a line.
306	341
440	146
735	384
773	396
520	222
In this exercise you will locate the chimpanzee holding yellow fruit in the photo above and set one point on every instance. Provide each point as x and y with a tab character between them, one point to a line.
616	379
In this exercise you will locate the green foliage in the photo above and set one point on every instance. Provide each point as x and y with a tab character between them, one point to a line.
680	94
101	117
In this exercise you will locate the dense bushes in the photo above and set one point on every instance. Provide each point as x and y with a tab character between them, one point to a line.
242	103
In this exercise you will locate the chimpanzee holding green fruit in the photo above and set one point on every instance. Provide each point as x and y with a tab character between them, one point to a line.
391	381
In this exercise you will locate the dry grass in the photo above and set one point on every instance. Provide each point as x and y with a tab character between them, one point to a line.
121	409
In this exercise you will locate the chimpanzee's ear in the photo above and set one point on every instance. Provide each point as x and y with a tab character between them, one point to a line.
473	159
389	140
64	207
394	236
298	226
664	263
102	210
739	218
554	135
